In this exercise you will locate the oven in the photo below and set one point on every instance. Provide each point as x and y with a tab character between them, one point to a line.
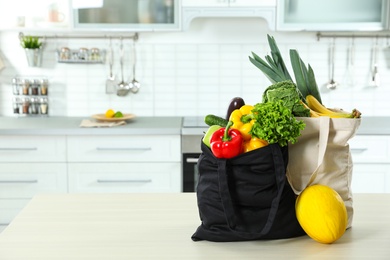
191	136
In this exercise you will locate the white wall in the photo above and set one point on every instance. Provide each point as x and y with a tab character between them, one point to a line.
196	72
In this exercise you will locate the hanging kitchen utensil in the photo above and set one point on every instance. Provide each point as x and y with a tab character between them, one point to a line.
375	80
134	85
350	77
111	82
332	83
123	87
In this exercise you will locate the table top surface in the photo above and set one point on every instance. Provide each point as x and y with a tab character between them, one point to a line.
159	226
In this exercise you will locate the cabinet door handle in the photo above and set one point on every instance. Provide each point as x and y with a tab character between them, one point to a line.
18	149
358	150
18	181
192	160
123	181
124	148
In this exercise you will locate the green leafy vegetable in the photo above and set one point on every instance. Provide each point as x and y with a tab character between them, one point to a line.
30	42
304	76
287	92
274	68
275	123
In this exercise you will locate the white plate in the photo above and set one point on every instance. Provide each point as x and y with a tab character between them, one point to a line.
102	117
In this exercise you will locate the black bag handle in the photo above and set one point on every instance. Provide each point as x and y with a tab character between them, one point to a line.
231	217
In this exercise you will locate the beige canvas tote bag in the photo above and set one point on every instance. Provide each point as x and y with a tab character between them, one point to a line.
322	156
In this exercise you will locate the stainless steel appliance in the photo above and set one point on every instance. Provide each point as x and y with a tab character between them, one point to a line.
192	133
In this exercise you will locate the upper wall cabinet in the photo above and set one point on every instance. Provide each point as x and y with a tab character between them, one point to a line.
44	15
332	15
225	3
90	15
127	15
265	9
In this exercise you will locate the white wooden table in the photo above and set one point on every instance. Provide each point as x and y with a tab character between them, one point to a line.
159	226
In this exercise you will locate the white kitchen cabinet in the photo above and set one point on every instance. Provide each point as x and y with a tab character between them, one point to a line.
134	148
44	15
129	15
371	163
192	9
370	178
136	163
330	15
30	165
226	3
19	182
24	148
124	177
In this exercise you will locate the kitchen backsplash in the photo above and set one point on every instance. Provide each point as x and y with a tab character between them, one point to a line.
196	72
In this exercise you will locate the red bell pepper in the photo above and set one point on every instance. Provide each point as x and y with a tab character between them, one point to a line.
226	143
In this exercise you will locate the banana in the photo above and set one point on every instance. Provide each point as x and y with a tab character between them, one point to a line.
315	105
312	112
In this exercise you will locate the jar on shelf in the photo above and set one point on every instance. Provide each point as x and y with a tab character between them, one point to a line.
83	54
44	106
34	105
95	54
35	86
25	84
25	105
15	86
16	104
65	53
44	84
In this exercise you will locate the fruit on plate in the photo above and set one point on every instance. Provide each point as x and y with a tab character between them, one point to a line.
322	213
110	113
118	114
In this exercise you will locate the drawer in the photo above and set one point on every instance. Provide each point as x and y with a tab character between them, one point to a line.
9	208
124	177
370	149
370	178
124	148
32	148
24	180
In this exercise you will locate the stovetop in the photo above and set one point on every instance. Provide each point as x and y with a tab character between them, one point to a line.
194	126
194	122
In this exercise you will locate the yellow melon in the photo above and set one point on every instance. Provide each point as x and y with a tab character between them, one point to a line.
322	213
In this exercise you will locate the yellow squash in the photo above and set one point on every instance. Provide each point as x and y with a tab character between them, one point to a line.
322	213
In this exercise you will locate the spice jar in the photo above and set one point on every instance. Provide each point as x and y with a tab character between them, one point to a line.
65	53
43	106
34	105
25	86
25	105
16	104
83	54
34	87
95	54
15	86
44	84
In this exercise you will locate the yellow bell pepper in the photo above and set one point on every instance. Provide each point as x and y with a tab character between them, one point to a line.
242	121
254	143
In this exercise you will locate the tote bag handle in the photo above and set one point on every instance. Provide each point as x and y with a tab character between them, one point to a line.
322	145
231	217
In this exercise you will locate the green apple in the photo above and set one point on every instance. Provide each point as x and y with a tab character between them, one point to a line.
209	133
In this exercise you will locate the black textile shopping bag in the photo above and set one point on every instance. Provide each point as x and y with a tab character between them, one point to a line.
246	197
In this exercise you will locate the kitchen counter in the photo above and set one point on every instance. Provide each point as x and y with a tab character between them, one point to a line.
71	126
144	125
159	226
368	126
